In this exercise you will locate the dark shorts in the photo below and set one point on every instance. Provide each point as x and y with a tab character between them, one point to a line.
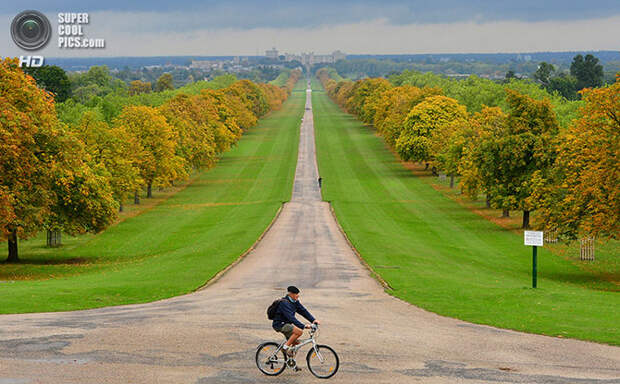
287	330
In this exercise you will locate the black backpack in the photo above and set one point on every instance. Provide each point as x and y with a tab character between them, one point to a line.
273	308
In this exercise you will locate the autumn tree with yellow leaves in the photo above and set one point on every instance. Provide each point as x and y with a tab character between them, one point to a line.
45	179
581	197
157	159
419	139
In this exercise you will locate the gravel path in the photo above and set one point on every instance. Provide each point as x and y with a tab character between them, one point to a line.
210	336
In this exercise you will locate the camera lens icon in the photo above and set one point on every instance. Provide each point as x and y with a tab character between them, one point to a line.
31	30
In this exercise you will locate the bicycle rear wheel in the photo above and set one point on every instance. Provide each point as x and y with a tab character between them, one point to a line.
324	364
268	361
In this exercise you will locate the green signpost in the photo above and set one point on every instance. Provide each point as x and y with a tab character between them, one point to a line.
535	239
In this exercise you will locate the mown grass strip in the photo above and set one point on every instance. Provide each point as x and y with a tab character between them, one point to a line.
439	255
177	245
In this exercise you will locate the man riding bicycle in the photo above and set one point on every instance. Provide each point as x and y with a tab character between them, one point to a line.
285	322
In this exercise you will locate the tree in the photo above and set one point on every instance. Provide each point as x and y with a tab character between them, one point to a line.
137	87
362	94
484	126
97	81
519	149
157	159
565	86
113	152
83	200
164	82
45	179
543	73
415	141
392	107
195	139
587	71
582	194
510	74
53	79
29	149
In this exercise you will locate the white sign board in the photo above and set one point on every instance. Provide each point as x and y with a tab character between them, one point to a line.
533	238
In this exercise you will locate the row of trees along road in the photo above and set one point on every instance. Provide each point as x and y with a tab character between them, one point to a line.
74	177
505	141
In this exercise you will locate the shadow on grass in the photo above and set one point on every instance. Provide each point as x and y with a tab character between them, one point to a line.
50	261
584	279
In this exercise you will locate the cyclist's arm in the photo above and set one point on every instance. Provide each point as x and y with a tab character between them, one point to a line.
304	312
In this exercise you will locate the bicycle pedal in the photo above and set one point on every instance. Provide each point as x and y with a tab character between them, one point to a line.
297	369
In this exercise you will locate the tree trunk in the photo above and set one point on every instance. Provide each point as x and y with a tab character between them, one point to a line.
526	220
149	190
451	181
13	258
488	202
136	197
53	238
505	213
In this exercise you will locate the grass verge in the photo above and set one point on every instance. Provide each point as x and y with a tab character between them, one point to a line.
175	246
439	255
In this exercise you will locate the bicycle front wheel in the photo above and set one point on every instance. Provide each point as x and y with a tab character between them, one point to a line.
324	362
268	361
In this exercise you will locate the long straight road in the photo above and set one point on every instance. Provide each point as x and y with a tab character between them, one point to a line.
210	336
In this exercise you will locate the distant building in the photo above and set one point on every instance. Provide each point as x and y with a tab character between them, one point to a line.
309	58
206	64
338	55
201	64
272	53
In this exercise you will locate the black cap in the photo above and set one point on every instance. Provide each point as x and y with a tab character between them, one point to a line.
293	289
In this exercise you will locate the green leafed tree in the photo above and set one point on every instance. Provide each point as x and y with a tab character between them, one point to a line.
544	73
587	71
521	146
53	79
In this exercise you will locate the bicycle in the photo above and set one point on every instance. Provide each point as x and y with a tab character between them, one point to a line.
322	360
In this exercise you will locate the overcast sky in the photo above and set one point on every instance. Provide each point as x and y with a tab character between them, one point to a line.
241	27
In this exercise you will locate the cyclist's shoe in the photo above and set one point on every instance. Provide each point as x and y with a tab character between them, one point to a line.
289	352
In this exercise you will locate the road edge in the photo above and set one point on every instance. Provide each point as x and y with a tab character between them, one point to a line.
373	273
222	272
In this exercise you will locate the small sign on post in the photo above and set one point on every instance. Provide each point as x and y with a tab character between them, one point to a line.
535	239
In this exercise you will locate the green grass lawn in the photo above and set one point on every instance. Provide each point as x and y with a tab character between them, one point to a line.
174	247
439	255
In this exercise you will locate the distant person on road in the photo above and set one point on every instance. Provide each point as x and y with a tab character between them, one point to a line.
285	321
320	181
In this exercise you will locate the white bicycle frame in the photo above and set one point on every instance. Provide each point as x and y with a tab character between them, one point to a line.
309	340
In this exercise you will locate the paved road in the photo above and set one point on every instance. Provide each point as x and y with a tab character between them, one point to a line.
210	336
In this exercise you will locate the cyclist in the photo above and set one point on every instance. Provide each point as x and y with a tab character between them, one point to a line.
285	321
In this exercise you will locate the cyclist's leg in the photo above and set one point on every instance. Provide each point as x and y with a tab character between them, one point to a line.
287	330
295	334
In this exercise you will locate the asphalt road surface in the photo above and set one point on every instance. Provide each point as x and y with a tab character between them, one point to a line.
211	336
